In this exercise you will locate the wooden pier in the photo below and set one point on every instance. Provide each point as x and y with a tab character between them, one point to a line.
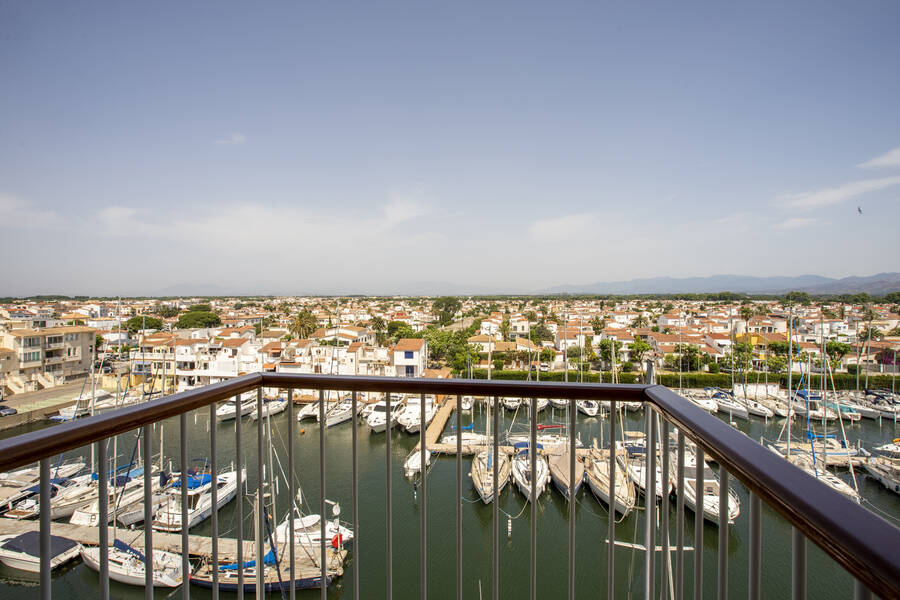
199	545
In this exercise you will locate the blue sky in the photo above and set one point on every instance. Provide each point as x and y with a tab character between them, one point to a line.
304	147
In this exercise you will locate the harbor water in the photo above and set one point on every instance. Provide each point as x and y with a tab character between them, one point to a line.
368	550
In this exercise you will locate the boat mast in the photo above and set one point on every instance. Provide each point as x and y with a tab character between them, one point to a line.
790	377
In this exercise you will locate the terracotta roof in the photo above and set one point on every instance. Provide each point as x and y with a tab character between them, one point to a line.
409	344
50	331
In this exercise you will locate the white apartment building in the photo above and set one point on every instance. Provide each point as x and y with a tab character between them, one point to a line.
47	357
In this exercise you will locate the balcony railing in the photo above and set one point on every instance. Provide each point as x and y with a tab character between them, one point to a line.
862	543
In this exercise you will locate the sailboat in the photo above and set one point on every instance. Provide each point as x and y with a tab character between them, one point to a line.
411	418
632	457
199	499
340	413
128	565
378	419
271	406
521	469
710	492
559	464
230	409
483	474
588	407
23	551
597	474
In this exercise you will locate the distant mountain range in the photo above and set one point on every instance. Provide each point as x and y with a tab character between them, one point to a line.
814	284
874	285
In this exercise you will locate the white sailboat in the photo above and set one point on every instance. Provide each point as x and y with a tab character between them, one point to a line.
411	418
482	474
588	407
597	474
340	413
710	491
230	409
378	418
23	551
270	407
199	496
521	470
128	565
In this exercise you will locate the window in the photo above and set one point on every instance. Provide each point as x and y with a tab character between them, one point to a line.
410	371
408	354
32	342
31	356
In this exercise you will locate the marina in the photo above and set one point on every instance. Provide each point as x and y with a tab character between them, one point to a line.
365	550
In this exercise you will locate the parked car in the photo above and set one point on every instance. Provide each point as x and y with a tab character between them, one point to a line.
6	411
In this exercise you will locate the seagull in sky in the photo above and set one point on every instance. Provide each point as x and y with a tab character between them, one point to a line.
859	209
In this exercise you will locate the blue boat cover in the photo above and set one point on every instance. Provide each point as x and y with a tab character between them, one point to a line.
465	427
268	559
195	481
120	545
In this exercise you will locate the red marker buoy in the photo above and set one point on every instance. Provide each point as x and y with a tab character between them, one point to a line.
336	541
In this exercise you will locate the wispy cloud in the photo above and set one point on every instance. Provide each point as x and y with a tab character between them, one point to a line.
797	223
231	140
888	159
16	213
564	227
835	195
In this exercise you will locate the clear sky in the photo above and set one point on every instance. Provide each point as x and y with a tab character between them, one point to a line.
324	146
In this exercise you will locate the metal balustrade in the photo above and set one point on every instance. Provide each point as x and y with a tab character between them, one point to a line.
862	543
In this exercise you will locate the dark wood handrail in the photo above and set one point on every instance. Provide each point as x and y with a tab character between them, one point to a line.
863	543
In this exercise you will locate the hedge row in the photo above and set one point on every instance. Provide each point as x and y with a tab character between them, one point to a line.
843	381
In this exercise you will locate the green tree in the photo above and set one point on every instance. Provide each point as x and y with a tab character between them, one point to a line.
198	319
639	349
836	351
166	311
200	308
380	328
639	321
446	307
303	324
778	348
135	324
398	329
547	355
98	341
798	297
606	349
598	325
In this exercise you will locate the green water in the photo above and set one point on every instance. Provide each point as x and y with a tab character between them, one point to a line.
368	550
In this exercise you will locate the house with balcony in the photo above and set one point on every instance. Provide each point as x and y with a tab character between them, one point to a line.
409	356
47	357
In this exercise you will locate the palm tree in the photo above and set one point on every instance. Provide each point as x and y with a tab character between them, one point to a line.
379	327
303	324
640	321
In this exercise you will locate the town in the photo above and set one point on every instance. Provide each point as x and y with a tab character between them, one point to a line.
172	345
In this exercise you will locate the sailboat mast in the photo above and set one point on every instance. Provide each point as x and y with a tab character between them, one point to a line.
790	376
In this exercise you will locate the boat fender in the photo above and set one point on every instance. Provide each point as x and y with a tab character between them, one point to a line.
302	432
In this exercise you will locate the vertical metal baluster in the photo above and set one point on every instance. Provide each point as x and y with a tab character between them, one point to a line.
388	430
532	452
185	543
611	567
260	495
103	516
698	523
650	504
214	489
148	514
495	541
459	580
860	592
798	566
664	512
423	591
240	499
723	534
323	566
44	490
355	500
291	493
572	500
755	549
679	522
